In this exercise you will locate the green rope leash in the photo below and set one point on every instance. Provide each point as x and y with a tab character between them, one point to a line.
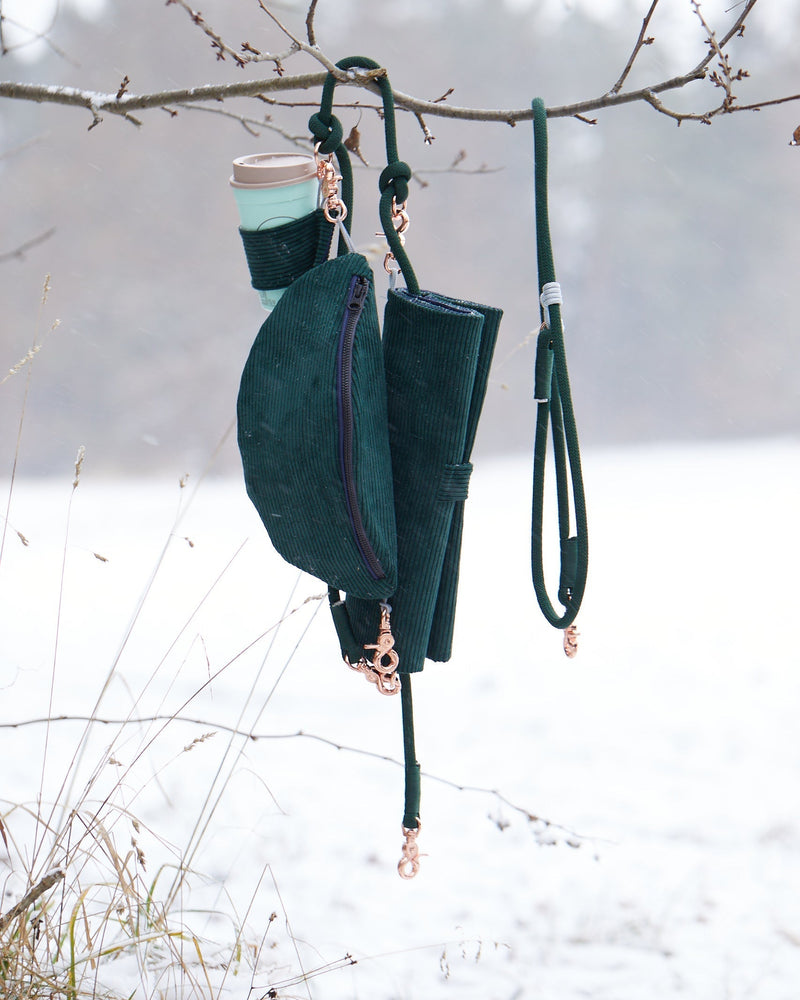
393	185
554	412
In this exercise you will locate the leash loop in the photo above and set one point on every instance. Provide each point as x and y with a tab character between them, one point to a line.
555	414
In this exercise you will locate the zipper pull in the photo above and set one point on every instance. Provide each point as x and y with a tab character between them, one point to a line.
358	294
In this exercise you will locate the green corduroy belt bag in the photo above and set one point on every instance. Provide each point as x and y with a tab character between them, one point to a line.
313	432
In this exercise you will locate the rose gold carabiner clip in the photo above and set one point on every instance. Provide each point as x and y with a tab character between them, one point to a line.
571	634
381	670
334	208
408	865
401	222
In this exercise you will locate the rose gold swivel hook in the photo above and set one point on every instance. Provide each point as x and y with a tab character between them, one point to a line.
334	208
401	222
384	647
408	865
571	641
382	674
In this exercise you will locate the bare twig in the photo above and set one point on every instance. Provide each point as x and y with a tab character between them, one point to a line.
766	104
312	38
302	46
426	132
298	734
254	126
34	36
641	41
27	360
19	252
21	147
221	49
247	53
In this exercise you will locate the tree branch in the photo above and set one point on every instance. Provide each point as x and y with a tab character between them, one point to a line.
125	103
108	103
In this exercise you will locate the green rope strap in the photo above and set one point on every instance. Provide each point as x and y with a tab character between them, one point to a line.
393	184
352	651
393	181
554	410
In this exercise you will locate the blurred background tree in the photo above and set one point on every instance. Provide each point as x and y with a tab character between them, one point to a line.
677	248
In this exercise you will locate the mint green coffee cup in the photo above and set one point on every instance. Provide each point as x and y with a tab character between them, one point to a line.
271	189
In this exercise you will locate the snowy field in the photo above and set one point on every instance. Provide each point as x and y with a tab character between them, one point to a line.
667	751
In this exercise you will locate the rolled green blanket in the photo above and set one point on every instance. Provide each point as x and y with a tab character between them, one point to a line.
437	352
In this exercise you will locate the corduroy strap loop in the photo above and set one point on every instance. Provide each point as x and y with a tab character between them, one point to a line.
454	484
554	412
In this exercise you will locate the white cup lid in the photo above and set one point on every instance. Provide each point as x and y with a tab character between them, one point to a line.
272	169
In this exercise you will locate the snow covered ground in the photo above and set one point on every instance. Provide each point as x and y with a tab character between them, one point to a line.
668	749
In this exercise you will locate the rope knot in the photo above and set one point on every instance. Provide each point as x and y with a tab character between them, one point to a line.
327	131
396	176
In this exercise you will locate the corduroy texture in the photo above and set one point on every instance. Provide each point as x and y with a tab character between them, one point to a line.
289	413
278	256
440	643
433	349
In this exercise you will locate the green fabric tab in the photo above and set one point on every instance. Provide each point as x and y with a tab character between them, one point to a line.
454	484
569	569
543	372
350	648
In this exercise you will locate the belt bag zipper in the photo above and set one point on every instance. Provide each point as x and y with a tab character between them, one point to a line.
356	299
